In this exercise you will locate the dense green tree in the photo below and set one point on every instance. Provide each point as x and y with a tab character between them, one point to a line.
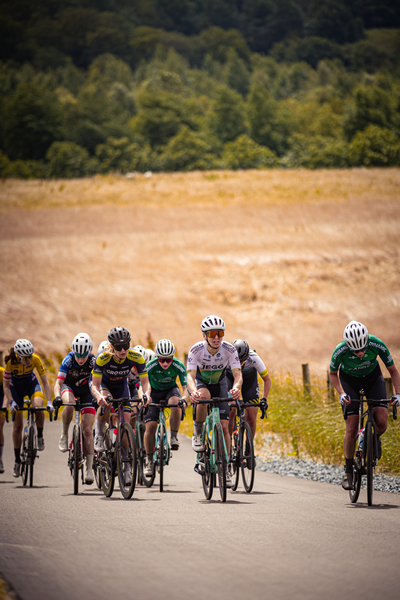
371	105
245	153
227	118
316	152
123	155
32	122
66	159
334	20
186	151
375	147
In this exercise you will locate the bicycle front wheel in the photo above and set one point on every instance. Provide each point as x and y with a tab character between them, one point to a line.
221	460
76	457
161	453
96	469
148	480
126	461
247	460
207	477
235	460
31	454
107	466
355	491
368	438
24	460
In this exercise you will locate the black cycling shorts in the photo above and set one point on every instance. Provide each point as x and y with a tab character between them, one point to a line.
373	385
217	390
158	396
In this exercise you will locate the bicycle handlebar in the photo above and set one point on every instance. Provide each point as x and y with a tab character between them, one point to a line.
32	409
369	401
6	411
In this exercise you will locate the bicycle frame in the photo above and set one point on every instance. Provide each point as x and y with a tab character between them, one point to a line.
72	449
29	441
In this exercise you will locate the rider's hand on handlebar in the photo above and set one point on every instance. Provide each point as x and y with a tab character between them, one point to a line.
102	401
49	406
235	393
395	400
344	399
57	402
13	406
195	397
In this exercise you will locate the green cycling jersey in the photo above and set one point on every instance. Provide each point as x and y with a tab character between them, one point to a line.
163	379
353	365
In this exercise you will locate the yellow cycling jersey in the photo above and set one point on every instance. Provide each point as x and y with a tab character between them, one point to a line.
110	369
1	375
18	373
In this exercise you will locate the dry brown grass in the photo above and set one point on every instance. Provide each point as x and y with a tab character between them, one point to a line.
286	257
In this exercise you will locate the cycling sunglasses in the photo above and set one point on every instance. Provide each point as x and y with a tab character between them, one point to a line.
78	355
360	350
119	347
165	360
213	332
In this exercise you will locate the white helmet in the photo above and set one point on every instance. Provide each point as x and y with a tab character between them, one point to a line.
356	336
164	348
82	345
150	354
212	322
23	348
103	346
142	351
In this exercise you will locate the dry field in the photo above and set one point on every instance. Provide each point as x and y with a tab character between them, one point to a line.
287	258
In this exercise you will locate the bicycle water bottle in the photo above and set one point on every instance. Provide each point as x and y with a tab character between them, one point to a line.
25	435
361	438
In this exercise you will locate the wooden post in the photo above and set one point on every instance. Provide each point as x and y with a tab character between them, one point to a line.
306	379
389	387
330	388
185	357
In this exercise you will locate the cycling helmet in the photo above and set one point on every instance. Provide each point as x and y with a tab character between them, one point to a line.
103	346
23	348
119	335
243	349
212	322
356	336
142	351
164	348
150	354
82	345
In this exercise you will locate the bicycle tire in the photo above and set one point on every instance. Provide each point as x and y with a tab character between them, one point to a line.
247	459
31	453
368	437
96	469
235	461
107	471
355	492
127	434
161	453
207	477
76	456
221	460
24	462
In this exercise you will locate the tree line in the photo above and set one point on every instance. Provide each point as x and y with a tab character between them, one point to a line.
197	92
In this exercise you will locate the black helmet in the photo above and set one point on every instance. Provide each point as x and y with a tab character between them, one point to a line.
243	349
119	335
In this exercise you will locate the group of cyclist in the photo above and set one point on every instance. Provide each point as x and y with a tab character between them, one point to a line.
215	368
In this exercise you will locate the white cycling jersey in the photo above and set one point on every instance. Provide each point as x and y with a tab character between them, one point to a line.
211	367
254	362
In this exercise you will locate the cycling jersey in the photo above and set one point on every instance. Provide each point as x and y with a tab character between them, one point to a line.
20	375
252	366
1	386
74	375
210	368
163	379
353	365
112	371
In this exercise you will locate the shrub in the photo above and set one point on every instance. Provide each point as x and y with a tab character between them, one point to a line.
245	153
375	147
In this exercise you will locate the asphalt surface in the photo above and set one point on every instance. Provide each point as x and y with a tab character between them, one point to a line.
290	538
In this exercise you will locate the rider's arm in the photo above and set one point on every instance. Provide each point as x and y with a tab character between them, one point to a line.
144	382
96	392
267	385
58	384
185	393
191	385
395	375
334	377
46	386
7	394
237	383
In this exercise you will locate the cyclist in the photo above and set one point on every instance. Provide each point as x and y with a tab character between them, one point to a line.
110	376
2	419
73	382
163	372
20	381
252	366
206	377
353	367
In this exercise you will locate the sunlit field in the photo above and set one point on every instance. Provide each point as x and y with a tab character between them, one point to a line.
287	258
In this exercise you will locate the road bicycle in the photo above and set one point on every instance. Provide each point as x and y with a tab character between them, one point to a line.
76	447
162	451
242	446
119	455
213	461
29	443
367	449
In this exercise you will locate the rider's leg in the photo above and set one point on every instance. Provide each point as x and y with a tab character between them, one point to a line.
251	418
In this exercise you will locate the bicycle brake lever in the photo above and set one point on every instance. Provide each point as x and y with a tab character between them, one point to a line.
394	412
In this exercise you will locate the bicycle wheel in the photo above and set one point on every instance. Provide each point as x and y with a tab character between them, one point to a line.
107	466
24	461
368	438
31	453
355	492
221	460
96	469
235	460
76	457
126	457
161	453
247	460
205	458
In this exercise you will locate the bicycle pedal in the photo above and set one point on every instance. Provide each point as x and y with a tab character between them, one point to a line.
199	469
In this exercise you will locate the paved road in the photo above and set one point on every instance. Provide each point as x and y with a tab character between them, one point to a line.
290	538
